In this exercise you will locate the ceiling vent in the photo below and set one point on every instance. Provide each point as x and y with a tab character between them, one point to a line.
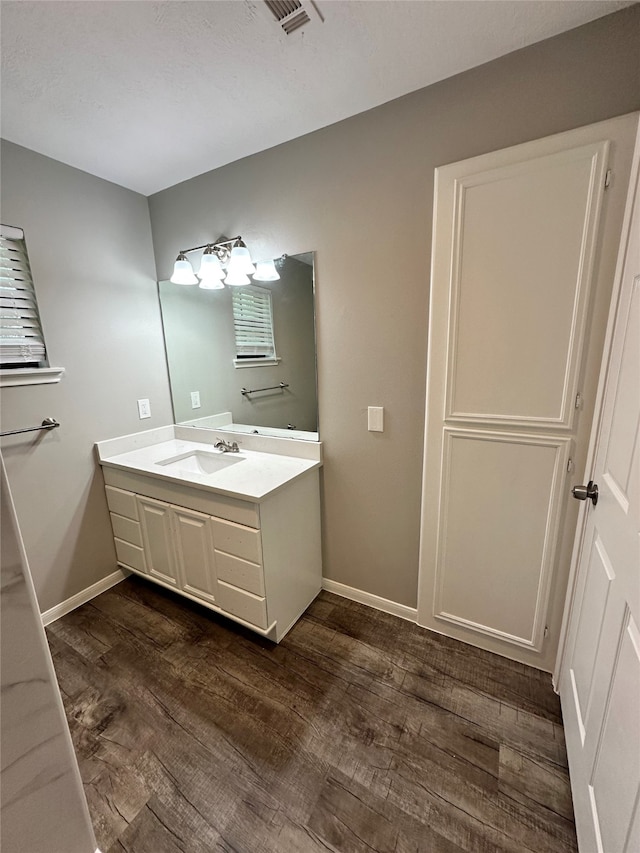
293	14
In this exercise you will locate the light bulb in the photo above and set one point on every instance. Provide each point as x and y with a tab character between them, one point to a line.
212	284
210	267
236	278
183	271
240	259
266	271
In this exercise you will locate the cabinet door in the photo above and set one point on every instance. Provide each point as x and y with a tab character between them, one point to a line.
155	518
194	552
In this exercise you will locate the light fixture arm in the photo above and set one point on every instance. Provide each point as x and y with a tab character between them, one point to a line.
222	248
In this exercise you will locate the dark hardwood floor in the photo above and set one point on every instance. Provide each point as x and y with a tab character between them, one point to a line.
359	732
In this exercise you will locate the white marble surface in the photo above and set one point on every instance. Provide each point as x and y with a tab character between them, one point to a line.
124	443
43	805
255	476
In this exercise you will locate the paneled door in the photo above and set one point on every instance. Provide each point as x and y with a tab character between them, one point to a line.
600	671
194	552
155	520
524	251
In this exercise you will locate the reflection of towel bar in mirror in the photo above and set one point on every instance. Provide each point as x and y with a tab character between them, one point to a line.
245	391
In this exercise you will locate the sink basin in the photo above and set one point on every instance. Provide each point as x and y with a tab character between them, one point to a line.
200	462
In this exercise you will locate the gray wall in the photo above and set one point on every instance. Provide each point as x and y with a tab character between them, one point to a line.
360	193
89	242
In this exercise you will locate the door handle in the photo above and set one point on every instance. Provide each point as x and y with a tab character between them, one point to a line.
581	493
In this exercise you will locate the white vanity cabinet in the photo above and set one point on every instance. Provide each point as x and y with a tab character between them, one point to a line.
257	563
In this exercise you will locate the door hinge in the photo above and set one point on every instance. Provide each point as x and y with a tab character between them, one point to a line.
569	466
607	179
578	400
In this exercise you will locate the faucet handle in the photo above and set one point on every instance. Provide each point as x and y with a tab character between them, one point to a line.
225	446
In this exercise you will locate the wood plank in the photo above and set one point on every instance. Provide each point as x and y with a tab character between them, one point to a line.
89	636
350	818
501	721
160	828
535	781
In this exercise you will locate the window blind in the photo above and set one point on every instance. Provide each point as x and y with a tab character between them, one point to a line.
253	322
21	338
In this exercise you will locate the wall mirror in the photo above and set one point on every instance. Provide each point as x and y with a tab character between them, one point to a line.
244	358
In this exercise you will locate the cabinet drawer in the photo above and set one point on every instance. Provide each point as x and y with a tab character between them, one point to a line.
243	542
130	555
246	606
127	529
240	573
121	502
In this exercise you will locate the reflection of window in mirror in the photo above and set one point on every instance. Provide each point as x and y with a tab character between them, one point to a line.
253	326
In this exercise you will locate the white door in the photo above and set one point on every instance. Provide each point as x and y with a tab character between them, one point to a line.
600	671
194	552
157	538
524	251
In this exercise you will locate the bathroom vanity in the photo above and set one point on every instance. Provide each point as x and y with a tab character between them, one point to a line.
237	532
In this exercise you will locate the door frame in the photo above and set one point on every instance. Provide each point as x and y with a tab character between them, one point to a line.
620	159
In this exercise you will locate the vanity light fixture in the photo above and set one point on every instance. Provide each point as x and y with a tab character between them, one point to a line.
211	272
266	271
214	257
211	284
236	277
223	262
240	260
183	271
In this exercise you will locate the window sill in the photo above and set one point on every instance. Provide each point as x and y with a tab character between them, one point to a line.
30	376
255	362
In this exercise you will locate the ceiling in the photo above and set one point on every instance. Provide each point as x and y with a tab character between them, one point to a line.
147	94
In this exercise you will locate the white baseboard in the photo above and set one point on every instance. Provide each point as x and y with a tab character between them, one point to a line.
359	595
83	596
362	597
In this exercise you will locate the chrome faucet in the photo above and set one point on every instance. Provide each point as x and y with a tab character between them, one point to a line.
224	447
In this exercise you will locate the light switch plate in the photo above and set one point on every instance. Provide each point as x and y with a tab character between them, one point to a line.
144	409
195	399
376	418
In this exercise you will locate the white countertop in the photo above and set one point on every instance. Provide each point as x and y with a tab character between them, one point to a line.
254	478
